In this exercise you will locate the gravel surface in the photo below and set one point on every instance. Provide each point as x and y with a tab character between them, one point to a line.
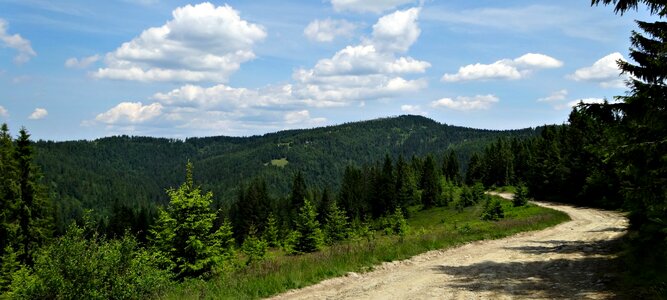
568	261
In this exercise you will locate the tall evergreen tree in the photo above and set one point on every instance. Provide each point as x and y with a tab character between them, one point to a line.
451	168
475	172
642	131
429	183
9	191
404	190
310	237
384	198
35	221
297	195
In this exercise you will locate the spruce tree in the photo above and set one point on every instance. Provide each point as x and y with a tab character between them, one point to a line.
336	226
429	183
271	232
642	130
33	209
310	235
297	195
184	232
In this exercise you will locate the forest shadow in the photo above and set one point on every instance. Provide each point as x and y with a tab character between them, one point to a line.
577	278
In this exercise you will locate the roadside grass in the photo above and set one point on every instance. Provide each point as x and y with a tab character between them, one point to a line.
432	229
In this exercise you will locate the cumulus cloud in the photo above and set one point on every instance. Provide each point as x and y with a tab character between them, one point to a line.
508	69
82	63
302	117
226	98
413	109
201	43
3	112
396	32
362	6
555	96
38	113
604	71
130	113
369	70
327	30
479	102
16	42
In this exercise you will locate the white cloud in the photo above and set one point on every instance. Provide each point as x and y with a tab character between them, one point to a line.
302	117
17	43
38	113
479	102
226	98
367	71
555	96
604	71
130	113
201	43
508	69
82	63
413	109
327	30
396	32
373	6
571	104
3	112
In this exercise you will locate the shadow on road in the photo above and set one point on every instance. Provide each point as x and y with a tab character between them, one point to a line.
593	272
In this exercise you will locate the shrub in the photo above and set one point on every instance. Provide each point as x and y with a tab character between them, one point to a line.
493	210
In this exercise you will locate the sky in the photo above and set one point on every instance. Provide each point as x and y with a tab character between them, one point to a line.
79	69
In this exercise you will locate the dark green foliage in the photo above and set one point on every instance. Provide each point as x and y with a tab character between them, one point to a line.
112	166
184	232
384	194
475	171
310	238
397	224
298	195
493	210
76	267
429	183
336	226
251	209
521	196
467	198
450	167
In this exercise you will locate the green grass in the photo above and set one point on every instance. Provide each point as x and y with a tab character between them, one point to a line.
281	163
431	229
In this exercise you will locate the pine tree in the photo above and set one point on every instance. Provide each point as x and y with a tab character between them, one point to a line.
521	196
384	198
184	232
642	130
254	247
271	232
297	195
451	168
35	221
404	190
475	171
336	226
9	191
310	235
429	183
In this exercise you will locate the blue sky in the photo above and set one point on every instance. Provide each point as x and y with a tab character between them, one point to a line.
86	69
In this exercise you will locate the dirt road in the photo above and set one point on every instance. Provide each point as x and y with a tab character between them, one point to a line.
568	261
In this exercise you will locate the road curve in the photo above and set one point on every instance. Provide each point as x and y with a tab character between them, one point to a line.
567	261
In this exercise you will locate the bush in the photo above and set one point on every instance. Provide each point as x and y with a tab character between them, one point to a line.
493	210
521	196
74	267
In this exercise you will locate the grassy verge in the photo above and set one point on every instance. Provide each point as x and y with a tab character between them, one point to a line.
432	229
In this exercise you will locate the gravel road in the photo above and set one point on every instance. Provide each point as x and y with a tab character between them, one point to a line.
568	261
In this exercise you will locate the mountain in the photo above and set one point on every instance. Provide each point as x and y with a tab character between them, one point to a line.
136	170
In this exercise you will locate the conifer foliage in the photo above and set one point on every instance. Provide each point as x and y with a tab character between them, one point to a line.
184	232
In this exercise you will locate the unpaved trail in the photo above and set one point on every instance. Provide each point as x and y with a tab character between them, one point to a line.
568	261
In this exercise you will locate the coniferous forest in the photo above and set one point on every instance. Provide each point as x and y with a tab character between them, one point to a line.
132	217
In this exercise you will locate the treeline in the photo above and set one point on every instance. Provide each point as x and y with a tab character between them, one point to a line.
103	175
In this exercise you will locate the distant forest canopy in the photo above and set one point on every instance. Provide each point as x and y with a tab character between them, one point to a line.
135	171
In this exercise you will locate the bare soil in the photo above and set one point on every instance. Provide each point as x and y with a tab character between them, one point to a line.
572	260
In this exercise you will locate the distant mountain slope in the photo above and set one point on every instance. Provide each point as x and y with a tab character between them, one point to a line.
137	170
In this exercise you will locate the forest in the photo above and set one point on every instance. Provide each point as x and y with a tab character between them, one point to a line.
132	217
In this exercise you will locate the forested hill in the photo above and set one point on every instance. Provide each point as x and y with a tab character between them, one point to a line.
137	170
